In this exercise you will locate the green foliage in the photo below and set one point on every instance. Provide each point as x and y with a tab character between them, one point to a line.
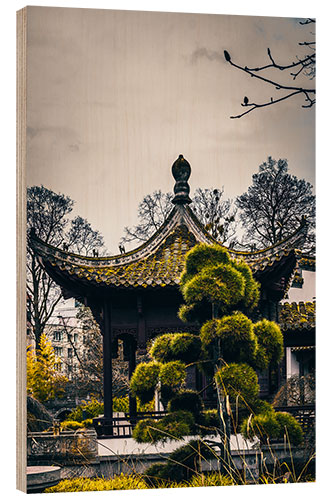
239	382
160	349
172	374
154	475
187	313
120	404
176	346
212	277
202	256
185	461
172	377
43	380
86	411
273	425
88	423
252	287
186	347
264	426
144	381
121	482
208	332
238	341
173	426
270	340
290	427
186	400
72	425
261	406
221	284
210	418
210	479
152	478
181	464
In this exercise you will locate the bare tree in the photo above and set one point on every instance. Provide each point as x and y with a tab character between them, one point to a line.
81	237
48	216
89	376
153	211
215	213
275	204
301	65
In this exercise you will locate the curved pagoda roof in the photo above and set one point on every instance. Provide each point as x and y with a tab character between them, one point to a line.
160	261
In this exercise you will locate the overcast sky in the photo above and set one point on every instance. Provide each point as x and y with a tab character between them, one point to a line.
115	96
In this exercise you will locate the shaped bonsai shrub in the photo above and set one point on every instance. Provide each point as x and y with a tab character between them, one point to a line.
144	381
219	293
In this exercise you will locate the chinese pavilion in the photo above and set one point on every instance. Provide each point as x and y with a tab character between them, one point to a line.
135	296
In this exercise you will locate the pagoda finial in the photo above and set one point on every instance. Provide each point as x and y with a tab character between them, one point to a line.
181	170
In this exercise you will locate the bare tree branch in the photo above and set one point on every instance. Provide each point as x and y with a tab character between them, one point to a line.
305	65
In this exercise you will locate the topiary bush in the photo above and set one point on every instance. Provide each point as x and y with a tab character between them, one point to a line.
210	418
208	332
186	400
160	349
290	427
144	381
261	406
202	256
222	285
252	287
172	426
273	425
172	377
238	341
264	426
187	460
184	347
270	341
211	276
240	383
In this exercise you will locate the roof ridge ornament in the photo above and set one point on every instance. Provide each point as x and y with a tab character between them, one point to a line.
181	171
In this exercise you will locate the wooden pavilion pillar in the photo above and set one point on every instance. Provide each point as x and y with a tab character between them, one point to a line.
104	425
131	368
107	362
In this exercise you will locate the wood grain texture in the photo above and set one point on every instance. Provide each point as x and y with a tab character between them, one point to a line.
21	413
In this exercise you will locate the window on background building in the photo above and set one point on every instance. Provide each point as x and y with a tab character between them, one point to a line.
76	337
58	351
58	367
57	335
70	352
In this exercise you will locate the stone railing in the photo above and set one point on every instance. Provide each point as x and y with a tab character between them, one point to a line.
67	447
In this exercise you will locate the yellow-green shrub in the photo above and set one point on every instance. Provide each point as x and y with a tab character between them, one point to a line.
121	482
144	381
239	382
72	424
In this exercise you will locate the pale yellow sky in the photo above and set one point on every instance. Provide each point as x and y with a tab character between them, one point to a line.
115	96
